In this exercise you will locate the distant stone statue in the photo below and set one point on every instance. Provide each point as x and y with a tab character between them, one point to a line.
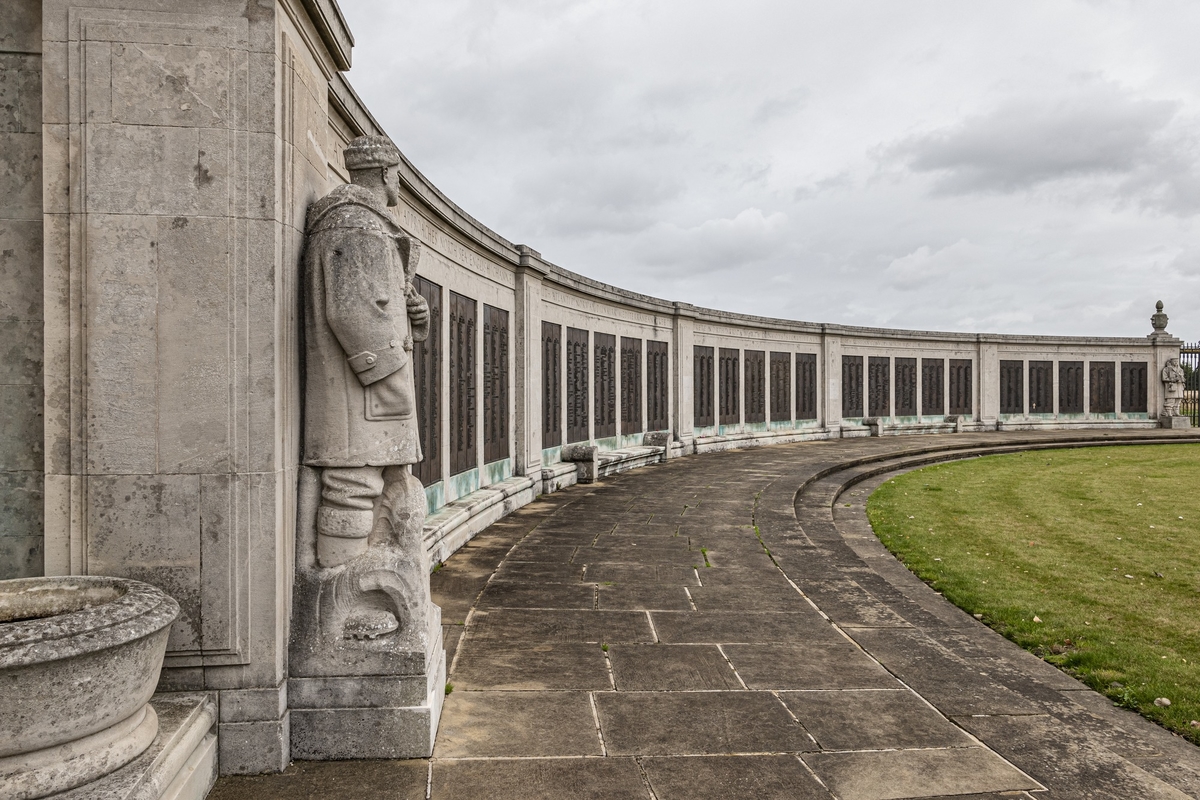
1173	379
362	316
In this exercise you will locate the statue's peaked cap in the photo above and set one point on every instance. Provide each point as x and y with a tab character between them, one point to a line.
367	152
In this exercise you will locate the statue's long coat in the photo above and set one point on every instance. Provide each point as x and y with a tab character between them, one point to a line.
360	404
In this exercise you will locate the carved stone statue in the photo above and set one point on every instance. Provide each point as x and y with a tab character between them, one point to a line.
362	316
366	639
1173	379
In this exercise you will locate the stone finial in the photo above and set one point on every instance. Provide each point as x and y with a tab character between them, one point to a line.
1159	319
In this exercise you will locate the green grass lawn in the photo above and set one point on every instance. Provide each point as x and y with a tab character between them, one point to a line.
1089	558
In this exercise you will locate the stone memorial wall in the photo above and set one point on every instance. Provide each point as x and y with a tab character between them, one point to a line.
157	162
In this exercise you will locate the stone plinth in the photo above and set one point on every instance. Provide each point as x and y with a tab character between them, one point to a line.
1174	421
354	693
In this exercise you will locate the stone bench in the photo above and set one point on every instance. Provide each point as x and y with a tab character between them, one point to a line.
886	426
592	463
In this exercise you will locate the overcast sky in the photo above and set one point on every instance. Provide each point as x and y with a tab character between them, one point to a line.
997	166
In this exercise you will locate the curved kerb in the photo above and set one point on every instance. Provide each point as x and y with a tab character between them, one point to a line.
636	632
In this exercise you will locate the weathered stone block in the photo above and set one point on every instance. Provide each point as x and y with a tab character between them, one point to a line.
21	175
22	31
21	556
1175	422
193	332
251	705
21	427
147	527
181	86
158	170
248	748
21	269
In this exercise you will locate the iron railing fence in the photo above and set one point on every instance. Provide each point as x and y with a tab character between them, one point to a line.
1189	358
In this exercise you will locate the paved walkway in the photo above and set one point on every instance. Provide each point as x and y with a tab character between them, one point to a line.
701	630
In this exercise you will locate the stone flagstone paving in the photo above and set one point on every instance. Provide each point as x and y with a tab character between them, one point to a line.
636	639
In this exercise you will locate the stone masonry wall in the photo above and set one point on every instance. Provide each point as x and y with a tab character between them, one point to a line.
21	464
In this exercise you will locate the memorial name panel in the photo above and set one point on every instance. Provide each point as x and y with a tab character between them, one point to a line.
427	376
1041	387
1012	387
756	395
729	373
495	384
577	385
1133	387
906	387
703	389
551	384
960	387
631	385
806	385
462	384
606	385
879	391
1070	387
658	386
852	386
933	376
1102	387
781	387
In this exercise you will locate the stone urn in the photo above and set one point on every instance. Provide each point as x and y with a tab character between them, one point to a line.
79	660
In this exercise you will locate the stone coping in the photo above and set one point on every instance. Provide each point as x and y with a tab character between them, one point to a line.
140	610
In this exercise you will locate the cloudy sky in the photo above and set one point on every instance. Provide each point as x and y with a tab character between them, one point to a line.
1005	166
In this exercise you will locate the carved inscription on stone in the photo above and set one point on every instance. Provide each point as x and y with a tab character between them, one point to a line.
606	384
806	385
631	385
781	387
551	384
577	385
703	387
852	386
495	384
658	387
462	384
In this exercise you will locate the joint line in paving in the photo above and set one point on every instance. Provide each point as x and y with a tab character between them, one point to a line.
691	602
653	630
596	718
721	650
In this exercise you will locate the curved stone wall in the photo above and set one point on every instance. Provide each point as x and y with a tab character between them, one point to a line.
153	361
593	364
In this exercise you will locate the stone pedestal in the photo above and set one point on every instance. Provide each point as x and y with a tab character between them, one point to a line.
1174	421
355	691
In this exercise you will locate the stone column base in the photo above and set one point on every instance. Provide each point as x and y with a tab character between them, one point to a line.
392	716
1174	422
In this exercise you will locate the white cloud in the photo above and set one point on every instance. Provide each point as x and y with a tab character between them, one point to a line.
1022	166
